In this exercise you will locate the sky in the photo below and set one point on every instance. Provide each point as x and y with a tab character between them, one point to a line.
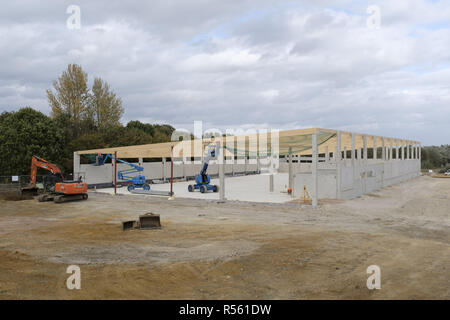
380	67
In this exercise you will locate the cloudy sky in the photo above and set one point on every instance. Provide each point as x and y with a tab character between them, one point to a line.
250	64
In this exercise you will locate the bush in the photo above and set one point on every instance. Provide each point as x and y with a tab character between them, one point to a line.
25	133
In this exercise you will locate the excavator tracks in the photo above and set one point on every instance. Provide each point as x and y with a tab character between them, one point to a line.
60	198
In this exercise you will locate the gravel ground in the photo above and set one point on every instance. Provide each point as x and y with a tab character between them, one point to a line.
232	250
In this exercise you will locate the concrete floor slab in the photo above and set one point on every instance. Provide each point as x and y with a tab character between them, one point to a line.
251	188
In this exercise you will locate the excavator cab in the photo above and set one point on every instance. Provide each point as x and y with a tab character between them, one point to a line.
50	180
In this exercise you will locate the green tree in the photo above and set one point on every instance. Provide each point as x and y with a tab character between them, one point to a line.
118	136
71	98
83	110
25	133
435	157
146	127
159	133
105	108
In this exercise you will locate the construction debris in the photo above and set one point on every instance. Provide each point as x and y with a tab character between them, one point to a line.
440	176
15	196
151	192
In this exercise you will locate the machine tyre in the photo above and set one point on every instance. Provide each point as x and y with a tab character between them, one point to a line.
190	188
216	188
146	187
202	189
130	188
85	196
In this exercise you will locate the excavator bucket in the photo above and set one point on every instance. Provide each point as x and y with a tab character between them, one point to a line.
30	190
149	221
128	225
146	221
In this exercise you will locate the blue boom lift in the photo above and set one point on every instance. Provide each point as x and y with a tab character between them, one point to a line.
202	180
136	181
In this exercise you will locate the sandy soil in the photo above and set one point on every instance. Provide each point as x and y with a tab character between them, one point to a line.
210	250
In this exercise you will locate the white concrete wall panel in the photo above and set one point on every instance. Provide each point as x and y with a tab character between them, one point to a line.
359	179
97	174
355	181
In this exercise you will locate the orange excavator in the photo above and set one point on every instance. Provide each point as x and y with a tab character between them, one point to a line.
55	187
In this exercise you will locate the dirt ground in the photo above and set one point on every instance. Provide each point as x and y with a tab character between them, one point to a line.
210	250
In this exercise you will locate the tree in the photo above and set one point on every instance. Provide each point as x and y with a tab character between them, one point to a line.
71	97
132	137
25	133
146	127
435	157
84	110
159	133
105	109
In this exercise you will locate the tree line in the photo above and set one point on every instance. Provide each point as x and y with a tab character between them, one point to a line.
436	157
81	118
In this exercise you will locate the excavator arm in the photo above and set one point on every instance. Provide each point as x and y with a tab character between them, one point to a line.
37	162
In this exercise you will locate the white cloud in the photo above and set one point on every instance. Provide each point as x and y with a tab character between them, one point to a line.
228	59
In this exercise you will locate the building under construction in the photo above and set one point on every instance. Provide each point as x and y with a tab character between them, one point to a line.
330	164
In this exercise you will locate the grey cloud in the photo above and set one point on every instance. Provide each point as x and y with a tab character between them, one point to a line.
282	64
